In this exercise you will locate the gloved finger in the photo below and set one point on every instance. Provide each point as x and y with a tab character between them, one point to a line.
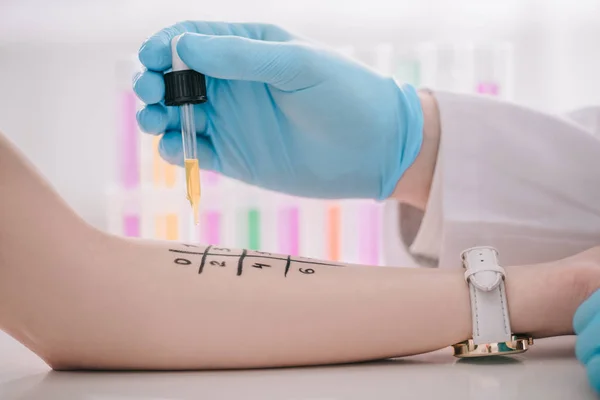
234	57
200	118
155	53
593	372
149	86
586	311
588	341
157	118
171	150
256	31
153	119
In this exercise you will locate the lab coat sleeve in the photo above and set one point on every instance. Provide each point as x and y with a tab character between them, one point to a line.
523	181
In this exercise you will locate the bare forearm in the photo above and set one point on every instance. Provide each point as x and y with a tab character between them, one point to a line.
145	305
82	299
257	312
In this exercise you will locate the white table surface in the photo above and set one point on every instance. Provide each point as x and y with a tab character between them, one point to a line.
548	371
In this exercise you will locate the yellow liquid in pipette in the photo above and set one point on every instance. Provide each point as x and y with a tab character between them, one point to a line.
192	179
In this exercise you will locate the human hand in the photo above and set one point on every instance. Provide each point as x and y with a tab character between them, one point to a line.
283	113
587	326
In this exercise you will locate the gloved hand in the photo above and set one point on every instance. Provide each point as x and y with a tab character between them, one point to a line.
587	326
283	113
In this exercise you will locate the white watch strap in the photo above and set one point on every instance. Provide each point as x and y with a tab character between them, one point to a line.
491	323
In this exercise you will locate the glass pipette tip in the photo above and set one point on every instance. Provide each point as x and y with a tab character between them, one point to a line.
192	169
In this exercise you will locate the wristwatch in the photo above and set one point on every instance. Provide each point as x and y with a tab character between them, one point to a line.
492	334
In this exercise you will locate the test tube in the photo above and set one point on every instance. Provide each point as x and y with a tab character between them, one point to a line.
130	171
333	228
131	224
211	221
407	70
333	210
167	226
370	226
164	217
447	66
493	69
164	175
124	207
361	244
312	228
288	225
468	67
248	218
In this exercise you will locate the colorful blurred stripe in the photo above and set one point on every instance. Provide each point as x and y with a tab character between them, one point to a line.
129	157
333	226
288	230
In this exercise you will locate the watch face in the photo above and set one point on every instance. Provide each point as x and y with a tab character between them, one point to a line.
468	348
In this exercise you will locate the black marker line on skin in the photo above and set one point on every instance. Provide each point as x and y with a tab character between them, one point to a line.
244	255
241	263
203	259
186	252
287	265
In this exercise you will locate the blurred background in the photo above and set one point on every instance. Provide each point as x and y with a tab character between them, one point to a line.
66	68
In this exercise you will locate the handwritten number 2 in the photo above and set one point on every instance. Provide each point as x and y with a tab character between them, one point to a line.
218	263
307	271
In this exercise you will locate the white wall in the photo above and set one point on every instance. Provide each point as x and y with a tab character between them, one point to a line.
57	104
57	62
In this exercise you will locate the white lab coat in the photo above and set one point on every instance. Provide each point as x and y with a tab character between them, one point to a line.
525	182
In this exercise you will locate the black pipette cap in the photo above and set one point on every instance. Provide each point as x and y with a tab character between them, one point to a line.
184	87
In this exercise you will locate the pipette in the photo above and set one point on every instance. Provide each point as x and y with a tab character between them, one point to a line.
184	88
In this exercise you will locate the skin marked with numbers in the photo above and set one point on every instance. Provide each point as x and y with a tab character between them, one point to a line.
245	258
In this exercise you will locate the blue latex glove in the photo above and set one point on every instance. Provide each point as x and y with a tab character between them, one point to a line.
283	113
586	324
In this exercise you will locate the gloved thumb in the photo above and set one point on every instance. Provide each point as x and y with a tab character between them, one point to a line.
240	58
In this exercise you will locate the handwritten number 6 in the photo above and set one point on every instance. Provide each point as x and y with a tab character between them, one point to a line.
307	271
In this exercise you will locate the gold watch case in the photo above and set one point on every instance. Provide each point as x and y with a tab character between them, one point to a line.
468	349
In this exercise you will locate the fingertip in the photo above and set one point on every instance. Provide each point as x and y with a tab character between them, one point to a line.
200	118
153	119
188	48
593	371
588	343
170	148
135	78
586	312
149	86
185	41
155	54
207	157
